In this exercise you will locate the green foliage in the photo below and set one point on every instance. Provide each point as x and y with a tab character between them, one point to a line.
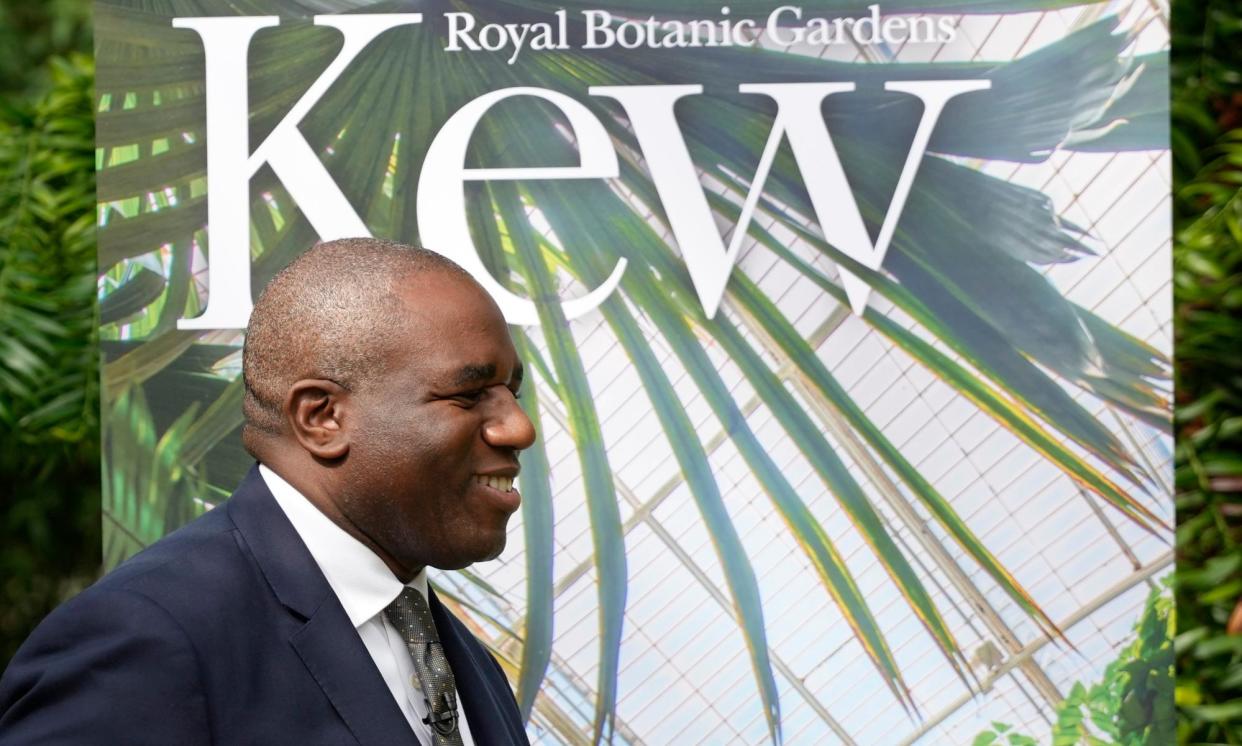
1205	70
49	393
1131	705
1207	116
32	34
1003	733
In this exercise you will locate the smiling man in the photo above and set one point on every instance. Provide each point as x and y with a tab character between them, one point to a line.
381	404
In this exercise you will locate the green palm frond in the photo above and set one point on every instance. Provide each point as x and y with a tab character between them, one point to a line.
137	507
537	525
610	561
47	317
49	353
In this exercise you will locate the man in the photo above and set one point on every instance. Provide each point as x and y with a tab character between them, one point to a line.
381	386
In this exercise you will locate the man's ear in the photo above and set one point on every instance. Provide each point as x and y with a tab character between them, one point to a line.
314	409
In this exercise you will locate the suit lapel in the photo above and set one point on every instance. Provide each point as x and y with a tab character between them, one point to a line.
343	667
485	694
327	642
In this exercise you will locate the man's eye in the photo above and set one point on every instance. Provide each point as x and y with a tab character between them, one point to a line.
469	397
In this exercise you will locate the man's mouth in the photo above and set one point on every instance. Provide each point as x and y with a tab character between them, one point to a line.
503	484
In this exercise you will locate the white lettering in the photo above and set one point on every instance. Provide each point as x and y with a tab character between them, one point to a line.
441	200
629	40
598	24
947	27
867	29
460	32
775	32
744	25
798	114
230	165
709	262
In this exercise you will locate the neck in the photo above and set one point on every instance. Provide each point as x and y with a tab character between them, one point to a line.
322	498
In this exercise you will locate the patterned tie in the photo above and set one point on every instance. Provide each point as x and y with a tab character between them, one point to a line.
411	615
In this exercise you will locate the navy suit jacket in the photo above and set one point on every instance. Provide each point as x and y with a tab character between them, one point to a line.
226	632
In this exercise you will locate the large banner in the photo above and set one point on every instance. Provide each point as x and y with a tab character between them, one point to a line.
847	329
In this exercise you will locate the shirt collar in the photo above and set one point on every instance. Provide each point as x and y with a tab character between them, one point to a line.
359	578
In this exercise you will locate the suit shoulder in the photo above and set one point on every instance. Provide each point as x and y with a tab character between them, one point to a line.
103	662
198	560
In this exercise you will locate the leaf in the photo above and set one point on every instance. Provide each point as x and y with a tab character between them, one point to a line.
824	557
694	466
537	527
1217	713
610	561
136	294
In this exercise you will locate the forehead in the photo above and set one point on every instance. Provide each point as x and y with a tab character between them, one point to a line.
451	322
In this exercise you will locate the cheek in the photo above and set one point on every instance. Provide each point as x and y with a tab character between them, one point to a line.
421	456
390	438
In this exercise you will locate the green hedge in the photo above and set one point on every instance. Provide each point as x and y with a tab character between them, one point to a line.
49	404
1207	147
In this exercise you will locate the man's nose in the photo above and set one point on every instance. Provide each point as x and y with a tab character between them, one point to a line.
510	427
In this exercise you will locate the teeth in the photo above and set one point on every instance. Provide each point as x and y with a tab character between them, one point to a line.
504	484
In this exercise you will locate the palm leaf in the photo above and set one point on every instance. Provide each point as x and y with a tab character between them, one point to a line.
138	497
837	578
1004	411
610	562
639	236
537	524
692	459
949	286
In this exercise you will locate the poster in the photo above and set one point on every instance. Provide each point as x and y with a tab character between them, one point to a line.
848	329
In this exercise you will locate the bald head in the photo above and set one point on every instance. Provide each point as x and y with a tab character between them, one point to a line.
333	313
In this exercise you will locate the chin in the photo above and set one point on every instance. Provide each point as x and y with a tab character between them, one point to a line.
464	560
496	551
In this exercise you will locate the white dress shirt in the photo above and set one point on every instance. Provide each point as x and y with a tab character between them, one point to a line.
365	586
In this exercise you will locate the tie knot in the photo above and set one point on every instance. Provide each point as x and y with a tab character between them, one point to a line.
411	615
